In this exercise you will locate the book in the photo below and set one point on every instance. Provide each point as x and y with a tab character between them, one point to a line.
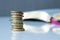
44	16
37	15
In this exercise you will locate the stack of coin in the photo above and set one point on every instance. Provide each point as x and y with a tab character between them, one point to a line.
16	20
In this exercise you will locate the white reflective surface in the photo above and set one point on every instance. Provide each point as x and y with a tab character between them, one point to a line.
6	34
48	34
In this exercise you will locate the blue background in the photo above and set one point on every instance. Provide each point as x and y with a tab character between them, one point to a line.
26	5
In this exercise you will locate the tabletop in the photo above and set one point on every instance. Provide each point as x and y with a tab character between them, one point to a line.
6	34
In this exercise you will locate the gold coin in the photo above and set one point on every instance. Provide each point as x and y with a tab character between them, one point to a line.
17	30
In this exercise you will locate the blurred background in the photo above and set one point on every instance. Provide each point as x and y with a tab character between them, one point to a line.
27	5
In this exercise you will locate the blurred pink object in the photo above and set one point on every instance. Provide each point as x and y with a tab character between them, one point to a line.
54	21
